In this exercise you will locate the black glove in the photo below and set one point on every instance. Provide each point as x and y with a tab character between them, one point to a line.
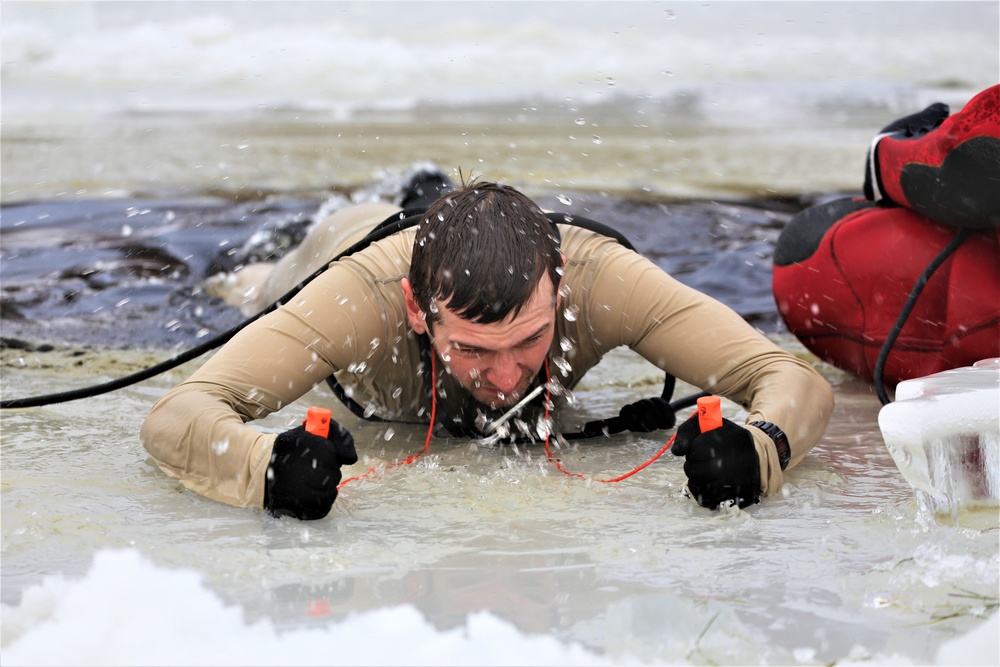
647	415
305	471
913	126
721	465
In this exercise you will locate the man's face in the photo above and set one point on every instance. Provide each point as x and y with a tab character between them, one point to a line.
496	362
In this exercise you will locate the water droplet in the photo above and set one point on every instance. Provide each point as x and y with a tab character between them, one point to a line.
126	230
563	199
571	313
878	600
597	139
580	121
566	344
568	396
543	427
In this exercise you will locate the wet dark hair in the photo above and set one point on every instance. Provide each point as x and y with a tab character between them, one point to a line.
483	248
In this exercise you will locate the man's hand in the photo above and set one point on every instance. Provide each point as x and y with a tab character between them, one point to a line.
304	472
721	465
649	414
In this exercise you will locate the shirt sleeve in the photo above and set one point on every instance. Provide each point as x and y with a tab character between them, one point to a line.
705	343
198	431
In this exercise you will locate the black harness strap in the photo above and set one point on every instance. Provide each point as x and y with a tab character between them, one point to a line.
386	228
659	411
391	225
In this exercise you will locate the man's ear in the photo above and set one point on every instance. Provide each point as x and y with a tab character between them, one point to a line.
416	316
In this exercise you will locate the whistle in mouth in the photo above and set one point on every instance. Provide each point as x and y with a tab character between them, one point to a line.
709	413
318	421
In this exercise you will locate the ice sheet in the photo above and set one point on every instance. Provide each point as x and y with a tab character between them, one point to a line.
943	432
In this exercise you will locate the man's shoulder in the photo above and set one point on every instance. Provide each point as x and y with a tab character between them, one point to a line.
581	245
574	236
384	260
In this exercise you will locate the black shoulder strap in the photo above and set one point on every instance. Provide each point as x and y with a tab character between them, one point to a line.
662	406
592	225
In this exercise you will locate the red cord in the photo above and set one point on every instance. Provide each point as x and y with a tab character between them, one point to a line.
619	478
412	457
558	464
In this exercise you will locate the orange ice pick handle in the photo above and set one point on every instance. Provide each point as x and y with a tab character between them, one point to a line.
318	421
709	413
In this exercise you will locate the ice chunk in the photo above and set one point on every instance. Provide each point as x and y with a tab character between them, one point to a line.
943	432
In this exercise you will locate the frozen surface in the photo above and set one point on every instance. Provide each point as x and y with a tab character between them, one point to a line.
688	99
124	608
943	432
438	561
472	555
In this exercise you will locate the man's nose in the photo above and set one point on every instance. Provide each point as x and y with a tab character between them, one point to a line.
504	374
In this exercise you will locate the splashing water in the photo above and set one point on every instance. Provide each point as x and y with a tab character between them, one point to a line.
475	549
474	530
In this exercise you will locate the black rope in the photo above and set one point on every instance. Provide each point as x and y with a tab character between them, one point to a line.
388	227
911	301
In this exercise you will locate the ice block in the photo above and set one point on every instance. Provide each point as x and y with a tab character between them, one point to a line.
943	432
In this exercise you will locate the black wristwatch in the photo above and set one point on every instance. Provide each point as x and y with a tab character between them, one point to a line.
780	441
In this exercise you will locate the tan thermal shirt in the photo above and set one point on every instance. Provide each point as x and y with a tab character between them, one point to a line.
352	320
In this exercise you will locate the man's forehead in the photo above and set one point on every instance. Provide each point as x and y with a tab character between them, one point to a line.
542	298
536	315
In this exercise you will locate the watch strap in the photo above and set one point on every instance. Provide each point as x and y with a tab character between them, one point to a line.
780	441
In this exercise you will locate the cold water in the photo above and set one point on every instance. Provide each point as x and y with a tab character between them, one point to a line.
148	147
838	568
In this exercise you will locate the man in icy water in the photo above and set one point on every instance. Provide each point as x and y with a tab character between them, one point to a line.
462	317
